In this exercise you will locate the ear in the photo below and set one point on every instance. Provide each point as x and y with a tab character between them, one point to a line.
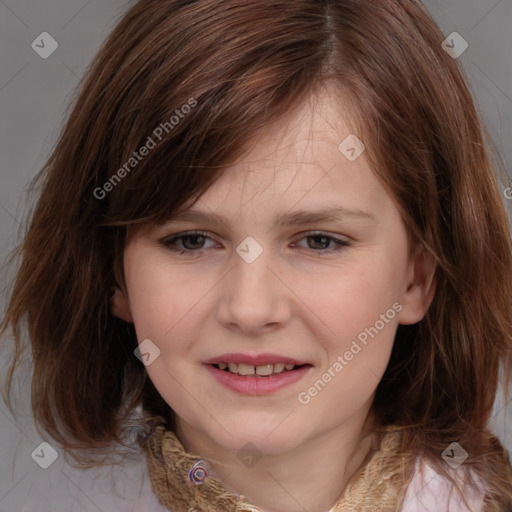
421	287
120	306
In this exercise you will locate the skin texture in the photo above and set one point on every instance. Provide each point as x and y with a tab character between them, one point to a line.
296	299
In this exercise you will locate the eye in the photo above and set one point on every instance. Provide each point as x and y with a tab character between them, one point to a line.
193	242
319	242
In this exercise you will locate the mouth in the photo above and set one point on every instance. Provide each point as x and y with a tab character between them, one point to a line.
256	375
265	370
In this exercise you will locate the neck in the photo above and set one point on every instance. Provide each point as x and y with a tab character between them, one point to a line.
311	477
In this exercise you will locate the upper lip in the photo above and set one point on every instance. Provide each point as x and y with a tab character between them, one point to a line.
254	360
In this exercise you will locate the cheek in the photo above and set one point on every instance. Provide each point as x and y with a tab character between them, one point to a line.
354	366
356	316
163	300
348	299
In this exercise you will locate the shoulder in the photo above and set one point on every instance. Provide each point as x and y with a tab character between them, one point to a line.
429	491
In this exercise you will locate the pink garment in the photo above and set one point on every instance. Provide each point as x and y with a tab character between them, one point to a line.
430	492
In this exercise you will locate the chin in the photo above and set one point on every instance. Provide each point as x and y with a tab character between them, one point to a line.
268	441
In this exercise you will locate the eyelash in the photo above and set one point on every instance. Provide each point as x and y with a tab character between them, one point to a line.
169	243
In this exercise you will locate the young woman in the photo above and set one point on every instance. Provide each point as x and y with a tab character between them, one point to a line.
272	228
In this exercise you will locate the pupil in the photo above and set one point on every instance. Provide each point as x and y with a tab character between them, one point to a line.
192	237
321	237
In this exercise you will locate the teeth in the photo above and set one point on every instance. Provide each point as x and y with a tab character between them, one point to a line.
279	368
267	369
245	369
263	370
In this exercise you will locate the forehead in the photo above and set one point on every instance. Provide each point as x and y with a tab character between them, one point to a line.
298	159
302	136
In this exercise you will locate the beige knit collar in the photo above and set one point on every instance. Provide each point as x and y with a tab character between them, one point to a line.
183	481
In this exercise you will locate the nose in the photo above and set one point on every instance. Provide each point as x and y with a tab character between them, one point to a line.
253	297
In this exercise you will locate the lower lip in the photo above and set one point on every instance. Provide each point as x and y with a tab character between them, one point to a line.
254	386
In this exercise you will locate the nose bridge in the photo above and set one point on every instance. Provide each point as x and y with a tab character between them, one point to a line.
251	276
252	295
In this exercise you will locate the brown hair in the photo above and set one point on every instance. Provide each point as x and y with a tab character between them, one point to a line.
243	65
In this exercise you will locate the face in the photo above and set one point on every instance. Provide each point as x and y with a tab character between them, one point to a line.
267	286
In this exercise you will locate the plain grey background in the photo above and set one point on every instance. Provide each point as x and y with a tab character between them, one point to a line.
34	95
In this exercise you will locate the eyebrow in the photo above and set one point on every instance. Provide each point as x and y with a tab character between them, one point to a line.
298	217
